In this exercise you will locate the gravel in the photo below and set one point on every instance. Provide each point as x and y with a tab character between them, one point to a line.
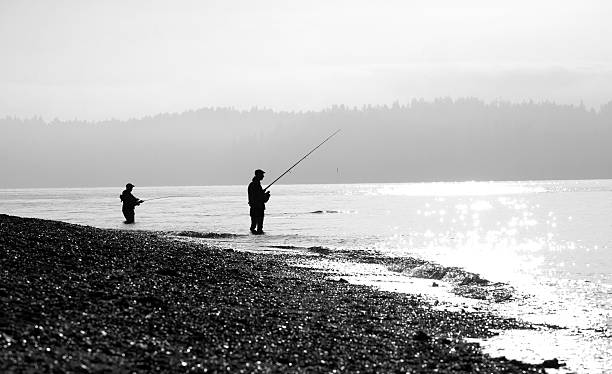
81	299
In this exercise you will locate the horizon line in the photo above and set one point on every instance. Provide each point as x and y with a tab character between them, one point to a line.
318	184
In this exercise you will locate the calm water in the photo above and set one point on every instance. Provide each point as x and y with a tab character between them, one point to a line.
551	240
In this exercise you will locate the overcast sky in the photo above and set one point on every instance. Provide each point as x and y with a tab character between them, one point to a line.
119	59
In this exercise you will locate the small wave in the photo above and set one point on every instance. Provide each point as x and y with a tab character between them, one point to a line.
325	212
320	250
317	249
497	292
464	283
204	235
447	274
285	247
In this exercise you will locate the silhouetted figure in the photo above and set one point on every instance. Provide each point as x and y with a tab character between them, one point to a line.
129	203
257	200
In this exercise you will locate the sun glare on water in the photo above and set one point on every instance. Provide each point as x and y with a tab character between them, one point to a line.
471	188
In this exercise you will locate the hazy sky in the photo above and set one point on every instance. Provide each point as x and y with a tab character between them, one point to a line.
101	59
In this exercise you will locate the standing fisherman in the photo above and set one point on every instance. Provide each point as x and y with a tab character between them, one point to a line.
129	203
258	197
257	200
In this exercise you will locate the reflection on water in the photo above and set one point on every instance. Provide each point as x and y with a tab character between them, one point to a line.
461	189
494	237
550	240
530	238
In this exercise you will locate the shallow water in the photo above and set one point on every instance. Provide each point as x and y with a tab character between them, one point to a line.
550	240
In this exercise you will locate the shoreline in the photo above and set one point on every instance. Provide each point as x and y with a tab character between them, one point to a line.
82	299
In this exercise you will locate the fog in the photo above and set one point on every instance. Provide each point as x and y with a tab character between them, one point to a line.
98	93
440	140
94	60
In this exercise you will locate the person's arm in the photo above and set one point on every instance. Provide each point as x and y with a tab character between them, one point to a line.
137	201
262	196
131	199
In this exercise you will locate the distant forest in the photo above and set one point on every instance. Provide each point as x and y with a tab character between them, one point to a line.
440	140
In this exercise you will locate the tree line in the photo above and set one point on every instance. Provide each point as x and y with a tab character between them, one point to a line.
419	141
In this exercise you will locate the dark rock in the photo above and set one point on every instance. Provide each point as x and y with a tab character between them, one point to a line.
168	272
420	336
552	364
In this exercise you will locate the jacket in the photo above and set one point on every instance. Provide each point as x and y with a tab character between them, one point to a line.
257	197
129	201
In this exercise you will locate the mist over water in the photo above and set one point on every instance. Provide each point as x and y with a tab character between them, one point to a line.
550	240
415	141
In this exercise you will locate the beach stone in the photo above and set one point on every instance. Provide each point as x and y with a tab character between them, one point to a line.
421	336
85	299
168	272
552	364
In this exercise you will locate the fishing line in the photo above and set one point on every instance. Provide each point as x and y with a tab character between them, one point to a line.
165	197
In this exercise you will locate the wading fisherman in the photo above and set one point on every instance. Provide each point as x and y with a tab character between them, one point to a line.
129	203
258	197
257	200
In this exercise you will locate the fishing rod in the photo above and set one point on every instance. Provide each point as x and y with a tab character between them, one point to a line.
301	159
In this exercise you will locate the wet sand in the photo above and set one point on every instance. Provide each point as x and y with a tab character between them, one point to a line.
81	299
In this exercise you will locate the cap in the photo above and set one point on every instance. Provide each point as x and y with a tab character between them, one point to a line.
259	171
129	185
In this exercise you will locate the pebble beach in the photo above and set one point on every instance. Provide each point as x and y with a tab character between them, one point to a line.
87	300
